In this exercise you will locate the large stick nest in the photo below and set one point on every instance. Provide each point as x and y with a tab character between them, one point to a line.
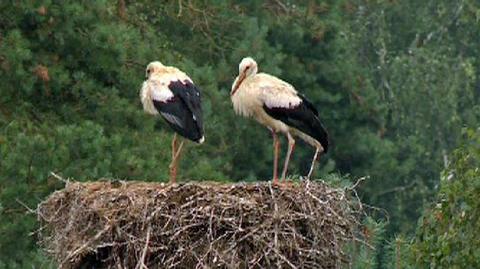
197	225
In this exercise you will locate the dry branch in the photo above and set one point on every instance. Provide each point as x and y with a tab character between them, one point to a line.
197	225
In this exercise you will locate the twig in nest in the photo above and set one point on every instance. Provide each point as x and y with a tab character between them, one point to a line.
31	211
141	261
354	186
66	181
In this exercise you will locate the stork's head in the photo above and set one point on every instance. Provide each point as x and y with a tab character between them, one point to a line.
152	68
246	68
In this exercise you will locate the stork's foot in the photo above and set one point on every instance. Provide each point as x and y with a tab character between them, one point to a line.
282	183
287	183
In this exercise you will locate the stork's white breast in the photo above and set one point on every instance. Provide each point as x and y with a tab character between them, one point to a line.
253	94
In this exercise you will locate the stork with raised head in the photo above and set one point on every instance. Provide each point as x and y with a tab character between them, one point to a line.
277	105
170	93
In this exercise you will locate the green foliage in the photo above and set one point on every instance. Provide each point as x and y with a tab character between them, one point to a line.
363	255
394	81
421	87
448	233
399	254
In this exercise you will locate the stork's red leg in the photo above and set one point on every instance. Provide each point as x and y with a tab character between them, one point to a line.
173	168
276	146
173	164
316	157
177	154
174	145
291	146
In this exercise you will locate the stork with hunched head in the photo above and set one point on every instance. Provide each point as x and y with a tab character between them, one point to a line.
170	93
277	105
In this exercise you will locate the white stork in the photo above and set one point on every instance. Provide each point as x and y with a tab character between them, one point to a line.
171	93
277	105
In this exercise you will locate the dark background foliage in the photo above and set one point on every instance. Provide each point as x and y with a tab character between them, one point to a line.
394	81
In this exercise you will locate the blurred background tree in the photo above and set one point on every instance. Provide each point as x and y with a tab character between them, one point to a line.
447	234
394	81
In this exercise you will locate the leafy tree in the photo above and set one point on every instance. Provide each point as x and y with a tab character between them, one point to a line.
394	81
420	85
447	236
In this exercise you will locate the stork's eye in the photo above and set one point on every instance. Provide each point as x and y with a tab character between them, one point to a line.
247	67
148	71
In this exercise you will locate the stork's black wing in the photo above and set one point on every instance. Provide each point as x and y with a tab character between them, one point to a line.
183	112
303	117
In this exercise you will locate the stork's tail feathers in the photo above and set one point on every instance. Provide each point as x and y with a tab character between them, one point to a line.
303	117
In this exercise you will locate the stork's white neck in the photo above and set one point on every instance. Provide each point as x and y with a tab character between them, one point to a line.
242	77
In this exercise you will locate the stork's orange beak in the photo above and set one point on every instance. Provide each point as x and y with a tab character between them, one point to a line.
240	80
